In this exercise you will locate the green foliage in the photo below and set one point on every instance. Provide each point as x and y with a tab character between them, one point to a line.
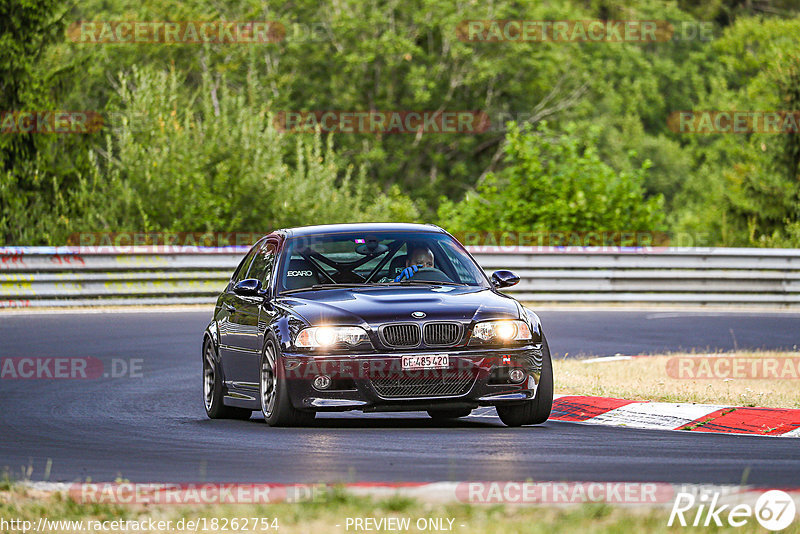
210	160
194	148
34	168
555	182
27	27
745	188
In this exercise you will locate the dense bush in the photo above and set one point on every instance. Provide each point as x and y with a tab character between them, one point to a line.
182	159
556	182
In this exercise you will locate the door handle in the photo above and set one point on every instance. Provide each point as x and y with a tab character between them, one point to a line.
229	307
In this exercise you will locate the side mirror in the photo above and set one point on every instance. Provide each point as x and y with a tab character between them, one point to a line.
504	279
249	287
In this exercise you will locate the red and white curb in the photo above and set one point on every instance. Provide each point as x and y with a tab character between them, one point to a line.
559	493
776	422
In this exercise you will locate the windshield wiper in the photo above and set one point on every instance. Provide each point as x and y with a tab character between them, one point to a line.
425	282
325	286
370	284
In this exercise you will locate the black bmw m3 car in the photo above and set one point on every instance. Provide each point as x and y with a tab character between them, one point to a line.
372	317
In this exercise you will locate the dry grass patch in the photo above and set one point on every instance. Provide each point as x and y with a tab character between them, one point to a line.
654	378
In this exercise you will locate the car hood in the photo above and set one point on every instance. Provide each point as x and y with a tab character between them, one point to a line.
378	305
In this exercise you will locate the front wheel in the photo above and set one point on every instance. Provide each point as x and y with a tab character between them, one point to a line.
536	410
275	403
212	389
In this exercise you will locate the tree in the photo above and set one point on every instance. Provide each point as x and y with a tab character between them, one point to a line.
214	161
35	168
555	182
744	188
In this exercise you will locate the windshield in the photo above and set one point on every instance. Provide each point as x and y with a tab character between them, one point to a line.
376	258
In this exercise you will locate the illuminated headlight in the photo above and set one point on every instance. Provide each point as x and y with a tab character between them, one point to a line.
330	336
502	331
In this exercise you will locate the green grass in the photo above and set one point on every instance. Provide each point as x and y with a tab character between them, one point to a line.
333	507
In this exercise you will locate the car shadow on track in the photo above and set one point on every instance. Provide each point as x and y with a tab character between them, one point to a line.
386	420
400	421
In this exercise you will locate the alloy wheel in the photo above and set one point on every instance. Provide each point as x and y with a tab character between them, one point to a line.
268	381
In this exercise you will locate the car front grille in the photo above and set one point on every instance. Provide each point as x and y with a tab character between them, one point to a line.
428	383
442	334
401	335
533	359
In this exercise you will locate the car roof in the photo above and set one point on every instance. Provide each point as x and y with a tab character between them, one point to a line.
356	227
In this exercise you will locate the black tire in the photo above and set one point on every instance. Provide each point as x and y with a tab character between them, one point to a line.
276	407
213	390
536	410
453	413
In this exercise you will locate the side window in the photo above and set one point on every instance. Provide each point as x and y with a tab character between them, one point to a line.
244	267
261	268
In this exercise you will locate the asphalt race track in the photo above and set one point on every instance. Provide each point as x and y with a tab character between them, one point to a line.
153	427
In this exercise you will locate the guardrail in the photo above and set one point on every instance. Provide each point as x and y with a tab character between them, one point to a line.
87	276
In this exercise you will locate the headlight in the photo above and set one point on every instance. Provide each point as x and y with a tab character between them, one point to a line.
501	331
330	336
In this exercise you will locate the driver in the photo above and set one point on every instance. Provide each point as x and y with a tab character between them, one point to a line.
420	258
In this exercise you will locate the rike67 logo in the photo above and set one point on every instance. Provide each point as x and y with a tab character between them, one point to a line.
774	510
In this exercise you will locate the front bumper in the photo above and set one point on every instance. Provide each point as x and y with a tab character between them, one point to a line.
376	382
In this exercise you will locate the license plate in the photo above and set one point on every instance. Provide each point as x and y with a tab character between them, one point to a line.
428	361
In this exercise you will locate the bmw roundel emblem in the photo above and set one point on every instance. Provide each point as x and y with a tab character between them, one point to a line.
418	314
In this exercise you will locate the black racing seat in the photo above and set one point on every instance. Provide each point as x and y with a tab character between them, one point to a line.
301	273
397	264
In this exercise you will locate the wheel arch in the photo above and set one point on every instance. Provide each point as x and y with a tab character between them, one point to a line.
211	334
